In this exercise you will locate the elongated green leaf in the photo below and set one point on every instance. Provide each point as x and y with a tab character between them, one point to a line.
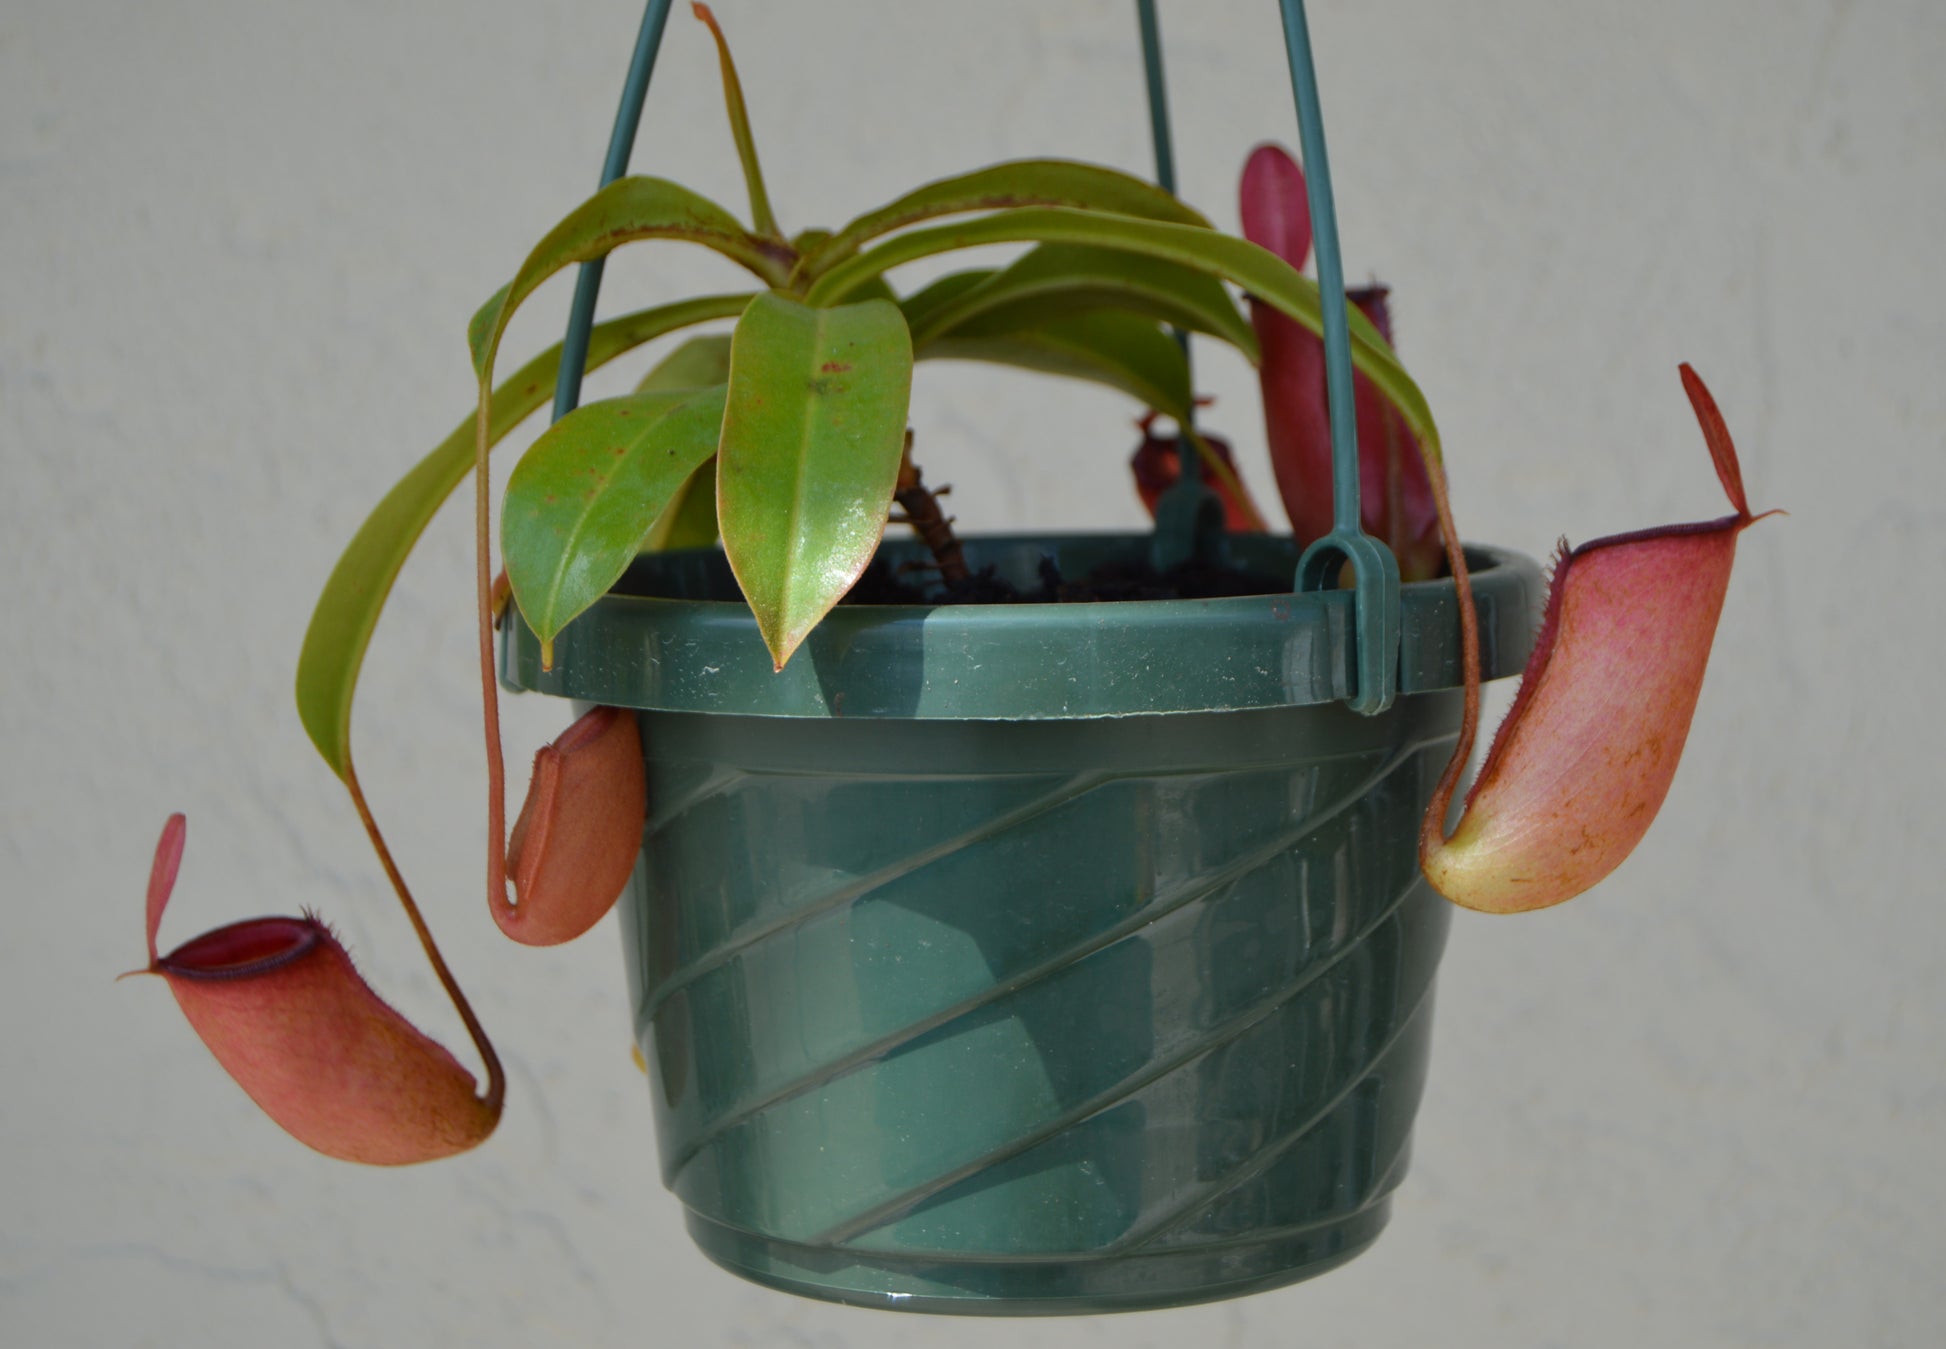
582	498
920	306
699	363
627	210
689	520
882	291
811	445
1260	272
753	174
1121	350
347	612
1022	182
1116	348
1061	279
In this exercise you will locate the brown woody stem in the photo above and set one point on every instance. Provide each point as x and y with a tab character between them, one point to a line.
927	520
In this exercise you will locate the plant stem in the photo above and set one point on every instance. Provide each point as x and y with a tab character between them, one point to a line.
1432	830
496	1088
489	687
922	512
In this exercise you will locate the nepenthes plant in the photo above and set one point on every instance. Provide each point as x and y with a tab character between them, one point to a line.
784	441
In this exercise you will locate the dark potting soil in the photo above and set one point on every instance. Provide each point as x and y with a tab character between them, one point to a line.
1124	580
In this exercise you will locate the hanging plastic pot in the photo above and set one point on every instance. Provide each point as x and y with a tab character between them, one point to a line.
1036	958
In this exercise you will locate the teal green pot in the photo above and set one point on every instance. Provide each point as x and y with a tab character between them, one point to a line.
1031	959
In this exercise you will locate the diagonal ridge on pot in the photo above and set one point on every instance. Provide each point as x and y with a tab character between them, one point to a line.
1344	1157
748	901
1207	830
1275	1000
1228	843
1282	956
948	995
1100	1163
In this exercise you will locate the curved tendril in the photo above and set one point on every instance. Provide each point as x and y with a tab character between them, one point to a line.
489	688
496	1086
1432	829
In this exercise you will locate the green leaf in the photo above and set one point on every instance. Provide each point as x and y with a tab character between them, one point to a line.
689	520
1060	279
811	446
920	306
1107	346
753	174
627	210
1022	182
881	291
810	244
1121	350
699	363
1262	273
582	498
348	610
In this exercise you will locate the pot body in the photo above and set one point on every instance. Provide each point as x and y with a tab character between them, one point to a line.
1036	1017
1042	1014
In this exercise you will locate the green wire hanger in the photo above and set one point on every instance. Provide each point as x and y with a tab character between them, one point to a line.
621	142
1375	592
1189	515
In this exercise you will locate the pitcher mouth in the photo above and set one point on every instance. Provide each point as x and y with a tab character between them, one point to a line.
253	946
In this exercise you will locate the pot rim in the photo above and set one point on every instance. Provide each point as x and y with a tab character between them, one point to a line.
666	640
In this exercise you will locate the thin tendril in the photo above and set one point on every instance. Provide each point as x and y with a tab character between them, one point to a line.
489	689
496	1089
1432	830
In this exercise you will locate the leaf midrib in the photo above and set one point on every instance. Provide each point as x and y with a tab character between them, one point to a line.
801	474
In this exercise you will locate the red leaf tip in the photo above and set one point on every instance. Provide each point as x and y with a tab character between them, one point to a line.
1275	209
1716	433
162	874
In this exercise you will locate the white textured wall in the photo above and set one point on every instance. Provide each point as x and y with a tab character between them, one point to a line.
238	245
